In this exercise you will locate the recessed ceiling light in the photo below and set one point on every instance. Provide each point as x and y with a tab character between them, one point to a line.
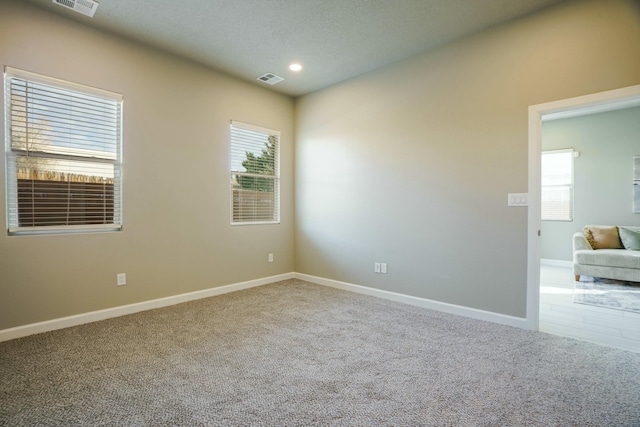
295	67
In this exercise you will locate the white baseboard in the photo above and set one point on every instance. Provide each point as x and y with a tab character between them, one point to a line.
94	316
556	262
459	310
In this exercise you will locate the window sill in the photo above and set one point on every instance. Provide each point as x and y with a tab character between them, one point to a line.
65	229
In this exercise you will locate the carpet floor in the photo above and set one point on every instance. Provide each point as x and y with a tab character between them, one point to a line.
298	354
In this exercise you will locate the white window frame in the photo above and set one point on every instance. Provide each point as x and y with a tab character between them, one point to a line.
243	137
547	213
64	157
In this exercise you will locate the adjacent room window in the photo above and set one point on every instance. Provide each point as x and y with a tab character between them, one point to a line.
63	155
557	185
255	174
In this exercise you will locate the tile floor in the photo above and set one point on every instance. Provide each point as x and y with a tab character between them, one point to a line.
559	315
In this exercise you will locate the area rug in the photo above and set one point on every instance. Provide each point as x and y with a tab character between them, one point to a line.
608	293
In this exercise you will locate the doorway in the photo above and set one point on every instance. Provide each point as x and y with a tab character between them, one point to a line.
589	104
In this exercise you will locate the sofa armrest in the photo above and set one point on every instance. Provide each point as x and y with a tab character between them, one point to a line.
580	242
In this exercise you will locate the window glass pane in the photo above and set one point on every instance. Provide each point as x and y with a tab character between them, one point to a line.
50	195
47	119
556	168
557	185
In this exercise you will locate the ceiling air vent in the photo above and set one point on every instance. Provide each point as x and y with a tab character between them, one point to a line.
85	7
270	78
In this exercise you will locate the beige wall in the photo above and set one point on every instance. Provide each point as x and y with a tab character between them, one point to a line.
176	235
411	164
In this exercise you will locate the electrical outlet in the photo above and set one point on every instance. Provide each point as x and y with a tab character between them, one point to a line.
121	279
270	258
383	268
376	267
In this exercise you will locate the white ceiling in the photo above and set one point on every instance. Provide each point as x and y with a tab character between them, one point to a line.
334	40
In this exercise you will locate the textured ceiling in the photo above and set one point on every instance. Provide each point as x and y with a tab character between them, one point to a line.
334	40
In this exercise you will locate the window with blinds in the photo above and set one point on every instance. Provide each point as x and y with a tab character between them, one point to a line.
255	174
557	185
63	146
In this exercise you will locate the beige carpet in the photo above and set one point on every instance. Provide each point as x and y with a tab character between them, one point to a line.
298	354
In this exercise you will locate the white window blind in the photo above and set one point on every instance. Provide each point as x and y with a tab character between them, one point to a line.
557	185
255	174
63	146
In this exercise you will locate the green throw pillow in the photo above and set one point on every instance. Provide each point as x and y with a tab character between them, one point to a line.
630	237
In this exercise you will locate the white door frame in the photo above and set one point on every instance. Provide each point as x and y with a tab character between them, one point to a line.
604	101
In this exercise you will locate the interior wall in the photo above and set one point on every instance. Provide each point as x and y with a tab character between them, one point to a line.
176	236
411	164
603	174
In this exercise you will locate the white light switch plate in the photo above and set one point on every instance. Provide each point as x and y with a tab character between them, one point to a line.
518	199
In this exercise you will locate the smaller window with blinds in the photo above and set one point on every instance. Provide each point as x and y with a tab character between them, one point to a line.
255	174
63	155
557	185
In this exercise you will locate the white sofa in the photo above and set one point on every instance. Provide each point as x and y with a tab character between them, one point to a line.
619	264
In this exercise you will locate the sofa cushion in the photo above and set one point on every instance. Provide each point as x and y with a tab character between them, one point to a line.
609	258
603	237
630	237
